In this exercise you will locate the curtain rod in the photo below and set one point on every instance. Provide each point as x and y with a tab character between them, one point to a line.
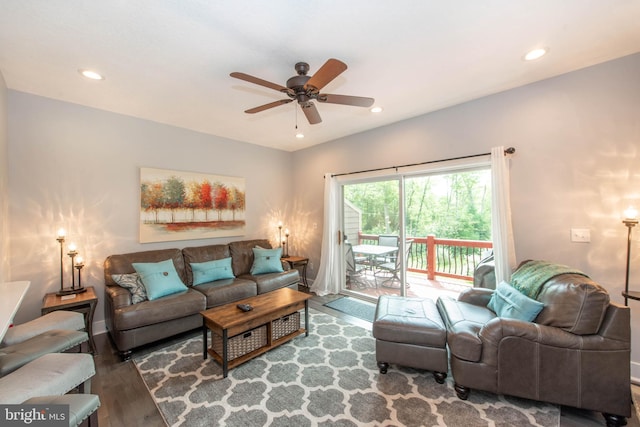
509	150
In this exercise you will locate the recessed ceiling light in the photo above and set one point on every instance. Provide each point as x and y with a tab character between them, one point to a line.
299	135
90	74
535	54
376	110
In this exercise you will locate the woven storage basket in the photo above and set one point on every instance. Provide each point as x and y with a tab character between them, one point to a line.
285	325
241	344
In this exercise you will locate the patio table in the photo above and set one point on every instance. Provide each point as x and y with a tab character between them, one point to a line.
372	251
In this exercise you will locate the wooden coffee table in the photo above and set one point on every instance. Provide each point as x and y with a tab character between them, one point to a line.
228	321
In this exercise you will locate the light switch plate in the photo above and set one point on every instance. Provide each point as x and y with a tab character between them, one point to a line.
580	235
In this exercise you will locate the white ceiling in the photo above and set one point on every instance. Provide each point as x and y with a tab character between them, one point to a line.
169	60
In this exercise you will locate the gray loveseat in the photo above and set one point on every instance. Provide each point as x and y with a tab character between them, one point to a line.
132	325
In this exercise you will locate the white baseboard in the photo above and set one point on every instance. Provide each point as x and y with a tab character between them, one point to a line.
99	327
635	373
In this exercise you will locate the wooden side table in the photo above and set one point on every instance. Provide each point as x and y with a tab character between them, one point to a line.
84	303
298	261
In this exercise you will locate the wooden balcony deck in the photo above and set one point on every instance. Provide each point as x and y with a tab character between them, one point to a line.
419	285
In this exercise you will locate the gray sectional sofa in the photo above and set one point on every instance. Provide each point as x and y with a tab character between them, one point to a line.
135	324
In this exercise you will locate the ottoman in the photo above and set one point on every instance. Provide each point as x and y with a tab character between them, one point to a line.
410	332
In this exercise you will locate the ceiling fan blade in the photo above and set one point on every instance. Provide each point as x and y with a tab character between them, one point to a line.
357	101
267	106
255	80
309	109
329	71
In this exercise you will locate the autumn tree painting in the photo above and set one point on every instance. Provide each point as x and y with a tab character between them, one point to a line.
186	205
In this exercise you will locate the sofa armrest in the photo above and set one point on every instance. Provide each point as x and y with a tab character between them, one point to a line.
119	297
497	331
476	296
285	265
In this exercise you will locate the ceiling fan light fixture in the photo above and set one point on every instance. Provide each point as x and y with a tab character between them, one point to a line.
90	74
534	54
376	110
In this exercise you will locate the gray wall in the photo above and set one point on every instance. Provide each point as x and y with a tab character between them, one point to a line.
78	168
577	165
4	185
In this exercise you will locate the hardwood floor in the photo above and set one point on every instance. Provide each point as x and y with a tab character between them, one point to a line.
125	401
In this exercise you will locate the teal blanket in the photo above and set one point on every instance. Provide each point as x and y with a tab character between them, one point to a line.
532	275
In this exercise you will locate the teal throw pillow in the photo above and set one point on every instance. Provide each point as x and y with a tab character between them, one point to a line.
209	271
510	303
159	278
266	261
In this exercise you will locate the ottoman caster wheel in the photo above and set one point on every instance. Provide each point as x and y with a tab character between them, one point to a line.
439	376
462	391
383	366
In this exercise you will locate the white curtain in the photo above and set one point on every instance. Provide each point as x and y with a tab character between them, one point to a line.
503	245
329	273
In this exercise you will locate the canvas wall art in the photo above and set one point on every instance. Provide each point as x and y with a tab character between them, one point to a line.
177	205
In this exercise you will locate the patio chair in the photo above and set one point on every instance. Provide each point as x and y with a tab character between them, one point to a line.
389	272
387	240
355	271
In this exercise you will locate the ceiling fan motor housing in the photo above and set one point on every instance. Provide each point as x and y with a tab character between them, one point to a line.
296	84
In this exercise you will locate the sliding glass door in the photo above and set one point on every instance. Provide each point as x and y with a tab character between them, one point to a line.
417	234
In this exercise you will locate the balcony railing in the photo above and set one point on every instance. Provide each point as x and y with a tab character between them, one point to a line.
454	258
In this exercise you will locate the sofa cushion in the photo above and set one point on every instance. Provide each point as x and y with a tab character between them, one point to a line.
147	313
242	254
509	303
210	271
227	290
463	322
272	281
202	254
159	278
574	303
266	261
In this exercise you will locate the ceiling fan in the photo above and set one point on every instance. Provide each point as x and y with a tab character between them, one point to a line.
304	89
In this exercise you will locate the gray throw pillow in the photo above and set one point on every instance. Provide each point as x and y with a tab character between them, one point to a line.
133	283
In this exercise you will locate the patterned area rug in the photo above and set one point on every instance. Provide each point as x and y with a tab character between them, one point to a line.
329	378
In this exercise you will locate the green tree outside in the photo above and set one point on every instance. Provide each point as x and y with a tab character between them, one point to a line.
453	205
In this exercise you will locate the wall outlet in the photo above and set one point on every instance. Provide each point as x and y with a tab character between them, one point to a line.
581	235
311	266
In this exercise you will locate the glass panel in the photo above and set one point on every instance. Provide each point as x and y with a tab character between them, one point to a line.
448	216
